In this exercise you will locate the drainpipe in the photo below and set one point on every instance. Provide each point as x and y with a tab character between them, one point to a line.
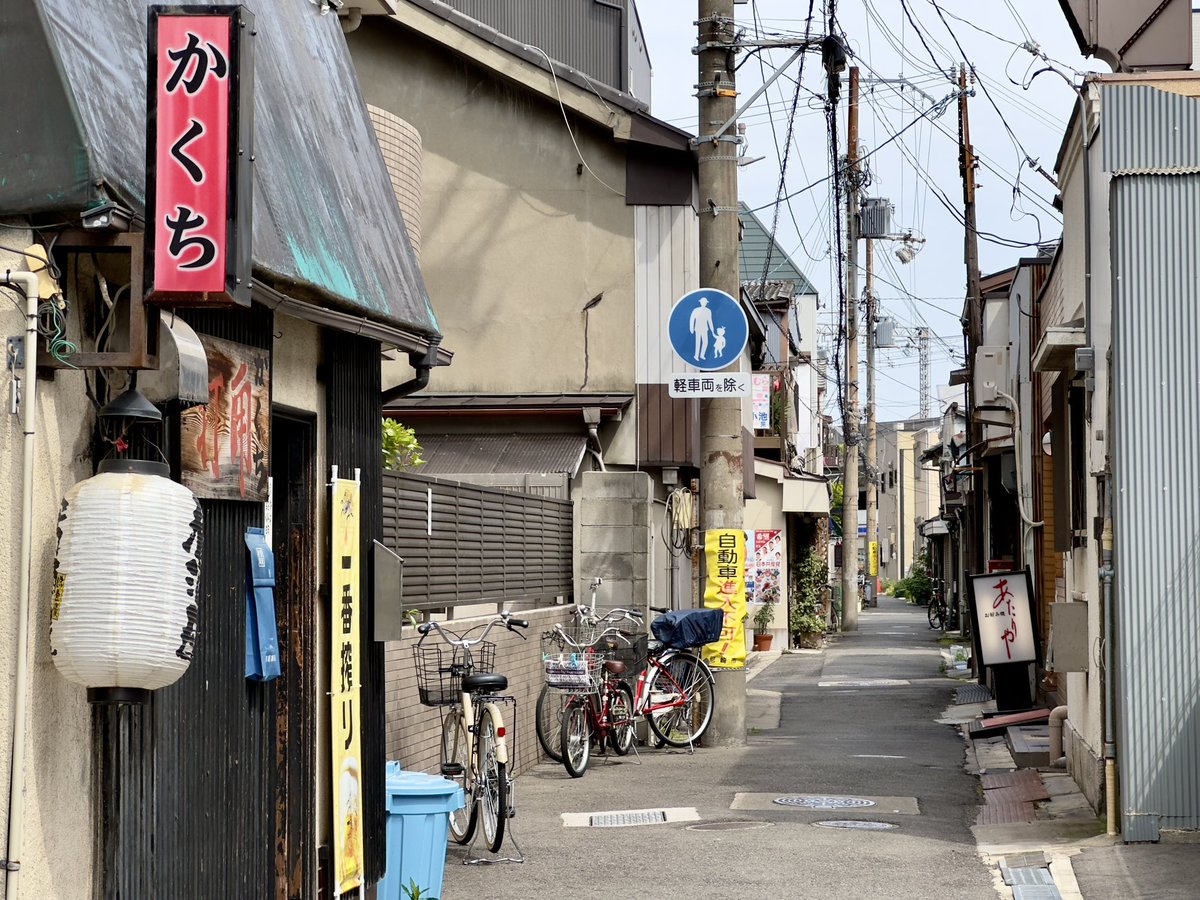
27	282
591	418
351	20
422	362
1106	590
1058	715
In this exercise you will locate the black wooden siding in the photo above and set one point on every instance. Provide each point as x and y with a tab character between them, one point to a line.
184	785
355	440
486	544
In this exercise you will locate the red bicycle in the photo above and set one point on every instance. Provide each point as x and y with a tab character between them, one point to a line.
599	706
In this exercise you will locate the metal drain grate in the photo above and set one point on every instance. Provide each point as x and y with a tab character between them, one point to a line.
861	824
809	801
972	693
620	820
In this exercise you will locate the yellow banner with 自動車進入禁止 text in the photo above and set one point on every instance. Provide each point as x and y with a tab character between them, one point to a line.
725	589
345	675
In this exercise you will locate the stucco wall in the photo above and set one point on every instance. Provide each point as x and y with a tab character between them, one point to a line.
57	857
1085	689
517	236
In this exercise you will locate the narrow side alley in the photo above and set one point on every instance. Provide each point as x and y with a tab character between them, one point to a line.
855	720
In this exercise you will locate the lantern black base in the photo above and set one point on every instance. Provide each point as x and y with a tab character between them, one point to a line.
118	695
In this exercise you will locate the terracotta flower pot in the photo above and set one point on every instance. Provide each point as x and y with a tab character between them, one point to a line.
762	641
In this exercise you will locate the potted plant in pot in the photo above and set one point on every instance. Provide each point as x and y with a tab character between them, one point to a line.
763	619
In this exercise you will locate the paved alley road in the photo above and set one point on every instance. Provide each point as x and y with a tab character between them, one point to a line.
855	720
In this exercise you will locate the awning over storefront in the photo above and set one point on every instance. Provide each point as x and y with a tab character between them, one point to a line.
327	228
934	527
806	495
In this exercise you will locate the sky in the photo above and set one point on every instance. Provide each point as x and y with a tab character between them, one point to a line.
1016	114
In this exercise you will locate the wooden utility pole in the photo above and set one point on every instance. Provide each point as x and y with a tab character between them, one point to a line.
850	422
973	537
720	418
872	452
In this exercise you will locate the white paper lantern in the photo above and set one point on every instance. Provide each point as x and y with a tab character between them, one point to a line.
123	620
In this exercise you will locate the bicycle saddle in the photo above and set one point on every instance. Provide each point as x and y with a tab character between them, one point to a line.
615	666
484	683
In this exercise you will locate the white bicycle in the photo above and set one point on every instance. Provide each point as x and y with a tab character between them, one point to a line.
458	674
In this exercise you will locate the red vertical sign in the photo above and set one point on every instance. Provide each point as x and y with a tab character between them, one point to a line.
198	154
192	153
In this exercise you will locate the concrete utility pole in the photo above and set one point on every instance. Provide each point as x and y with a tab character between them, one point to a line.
721	461
872	451
851	437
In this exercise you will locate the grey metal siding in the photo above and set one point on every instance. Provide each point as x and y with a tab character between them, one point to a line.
463	543
1149	129
585	34
1156	319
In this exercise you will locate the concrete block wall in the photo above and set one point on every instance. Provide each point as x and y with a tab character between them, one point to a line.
414	732
616	538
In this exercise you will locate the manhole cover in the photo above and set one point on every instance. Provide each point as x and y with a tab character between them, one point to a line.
618	820
861	824
808	801
728	826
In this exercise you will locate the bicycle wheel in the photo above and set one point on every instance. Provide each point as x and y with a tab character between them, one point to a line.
935	614
683	677
548	721
576	737
620	718
456	765
493	785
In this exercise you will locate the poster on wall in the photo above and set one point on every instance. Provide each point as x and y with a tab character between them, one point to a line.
225	446
768	566
1003	606
345	671
725	589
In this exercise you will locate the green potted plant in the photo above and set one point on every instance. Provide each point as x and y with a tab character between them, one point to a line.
763	619
806	618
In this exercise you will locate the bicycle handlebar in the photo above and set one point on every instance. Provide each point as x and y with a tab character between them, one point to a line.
450	637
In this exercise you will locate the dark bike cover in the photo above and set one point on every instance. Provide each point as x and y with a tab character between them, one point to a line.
689	627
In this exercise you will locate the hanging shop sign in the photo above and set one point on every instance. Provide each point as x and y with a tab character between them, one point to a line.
761	394
1004	617
725	589
345	671
199	154
225	446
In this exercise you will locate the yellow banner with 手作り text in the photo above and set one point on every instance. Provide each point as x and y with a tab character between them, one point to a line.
345	676
725	589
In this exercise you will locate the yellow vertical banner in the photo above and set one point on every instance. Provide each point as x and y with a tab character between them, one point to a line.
345	673
873	560
725	589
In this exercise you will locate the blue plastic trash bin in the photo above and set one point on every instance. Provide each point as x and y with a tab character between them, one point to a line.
418	824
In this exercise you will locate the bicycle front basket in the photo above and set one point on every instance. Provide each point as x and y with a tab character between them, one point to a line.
440	669
685	628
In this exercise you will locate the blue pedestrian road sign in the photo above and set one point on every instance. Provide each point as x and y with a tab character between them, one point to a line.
708	329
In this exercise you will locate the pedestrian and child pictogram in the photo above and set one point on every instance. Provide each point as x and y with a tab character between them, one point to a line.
708	329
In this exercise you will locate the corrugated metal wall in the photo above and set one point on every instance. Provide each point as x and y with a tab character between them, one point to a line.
462	543
1156	429
584	34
